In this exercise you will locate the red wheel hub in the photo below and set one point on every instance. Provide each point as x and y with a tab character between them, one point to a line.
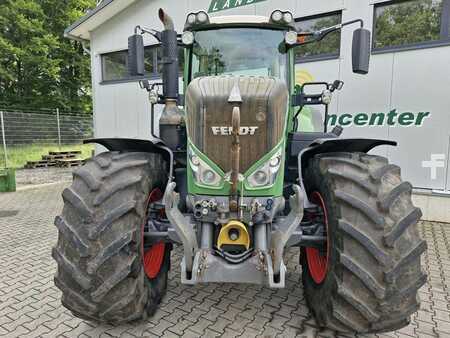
317	261
153	257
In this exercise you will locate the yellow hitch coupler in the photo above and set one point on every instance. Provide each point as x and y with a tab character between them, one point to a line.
234	233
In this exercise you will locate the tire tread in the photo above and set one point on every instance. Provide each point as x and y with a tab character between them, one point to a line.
376	276
98	250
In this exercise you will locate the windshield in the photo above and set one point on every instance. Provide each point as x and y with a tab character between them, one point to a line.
239	51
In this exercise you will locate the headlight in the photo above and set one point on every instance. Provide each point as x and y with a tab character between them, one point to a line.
267	173
208	176
203	173
260	178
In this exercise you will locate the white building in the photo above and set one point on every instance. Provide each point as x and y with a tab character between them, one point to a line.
409	73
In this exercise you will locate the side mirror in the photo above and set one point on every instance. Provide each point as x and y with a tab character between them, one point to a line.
136	64
361	51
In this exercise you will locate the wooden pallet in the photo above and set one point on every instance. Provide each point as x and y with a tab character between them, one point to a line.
71	162
58	157
39	164
69	152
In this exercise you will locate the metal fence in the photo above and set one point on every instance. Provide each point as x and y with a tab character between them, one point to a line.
42	127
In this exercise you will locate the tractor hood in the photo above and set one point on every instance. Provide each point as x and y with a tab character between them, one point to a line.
262	117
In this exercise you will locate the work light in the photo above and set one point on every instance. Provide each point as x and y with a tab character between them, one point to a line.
287	17
202	17
199	18
153	96
187	38
282	17
276	16
191	19
326	96
290	37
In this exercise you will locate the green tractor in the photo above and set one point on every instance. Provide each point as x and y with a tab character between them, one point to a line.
233	180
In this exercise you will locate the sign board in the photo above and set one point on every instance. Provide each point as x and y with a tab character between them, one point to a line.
220	5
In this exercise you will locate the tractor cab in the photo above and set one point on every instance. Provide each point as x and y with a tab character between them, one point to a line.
236	45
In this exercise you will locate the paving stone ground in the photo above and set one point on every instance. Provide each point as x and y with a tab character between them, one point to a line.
30	303
30	177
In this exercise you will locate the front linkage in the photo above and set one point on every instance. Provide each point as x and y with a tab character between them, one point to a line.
262	264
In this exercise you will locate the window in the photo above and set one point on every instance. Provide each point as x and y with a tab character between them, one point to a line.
115	64
215	52
409	24
329	46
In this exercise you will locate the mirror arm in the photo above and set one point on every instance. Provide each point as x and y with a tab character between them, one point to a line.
142	30
320	35
326	31
361	22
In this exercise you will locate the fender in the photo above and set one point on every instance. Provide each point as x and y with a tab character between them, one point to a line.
330	145
138	145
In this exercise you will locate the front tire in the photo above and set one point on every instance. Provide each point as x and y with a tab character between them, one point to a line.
373	268
99	252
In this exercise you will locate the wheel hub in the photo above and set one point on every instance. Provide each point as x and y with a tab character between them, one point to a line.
318	259
154	256
153	259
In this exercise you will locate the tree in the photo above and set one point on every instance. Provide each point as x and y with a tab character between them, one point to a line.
408	22
39	68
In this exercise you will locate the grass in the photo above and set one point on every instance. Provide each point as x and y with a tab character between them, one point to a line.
19	155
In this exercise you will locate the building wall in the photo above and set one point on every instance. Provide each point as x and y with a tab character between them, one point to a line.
408	81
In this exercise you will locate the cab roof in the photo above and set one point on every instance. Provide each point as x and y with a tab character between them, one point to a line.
236	19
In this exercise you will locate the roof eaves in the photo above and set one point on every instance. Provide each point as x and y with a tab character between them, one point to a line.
84	18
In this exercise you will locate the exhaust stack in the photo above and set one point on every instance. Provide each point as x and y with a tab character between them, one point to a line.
166	20
171	120
169	44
